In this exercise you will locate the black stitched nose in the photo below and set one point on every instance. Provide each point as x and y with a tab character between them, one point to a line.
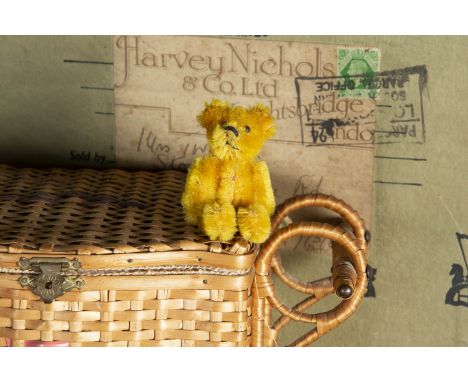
233	129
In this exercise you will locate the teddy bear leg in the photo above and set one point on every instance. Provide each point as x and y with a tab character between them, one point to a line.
219	221
254	223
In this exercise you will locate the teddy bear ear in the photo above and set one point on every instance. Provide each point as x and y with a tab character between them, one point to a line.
262	108
264	119
214	112
261	111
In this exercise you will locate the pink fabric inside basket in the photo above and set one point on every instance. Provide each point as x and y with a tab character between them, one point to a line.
41	344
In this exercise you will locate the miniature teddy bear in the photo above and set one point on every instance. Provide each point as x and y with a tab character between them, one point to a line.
229	189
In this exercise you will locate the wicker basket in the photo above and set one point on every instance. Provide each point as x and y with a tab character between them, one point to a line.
104	258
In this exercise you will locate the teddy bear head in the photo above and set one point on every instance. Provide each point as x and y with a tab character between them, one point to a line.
236	132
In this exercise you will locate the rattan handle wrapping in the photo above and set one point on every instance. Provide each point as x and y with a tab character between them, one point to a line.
349	215
349	270
344	274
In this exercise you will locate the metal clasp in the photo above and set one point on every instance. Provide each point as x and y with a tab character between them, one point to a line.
48	281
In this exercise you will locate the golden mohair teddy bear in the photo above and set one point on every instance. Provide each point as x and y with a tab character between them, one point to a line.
228	189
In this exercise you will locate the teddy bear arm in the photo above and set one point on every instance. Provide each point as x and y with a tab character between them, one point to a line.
262	186
254	219
191	196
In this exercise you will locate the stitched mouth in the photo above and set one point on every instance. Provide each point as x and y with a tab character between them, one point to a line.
229	144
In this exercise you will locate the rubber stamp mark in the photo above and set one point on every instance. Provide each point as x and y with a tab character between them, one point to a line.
332	120
321	130
400	116
457	295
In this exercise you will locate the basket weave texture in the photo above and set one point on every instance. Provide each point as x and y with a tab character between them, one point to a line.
151	279
105	258
92	211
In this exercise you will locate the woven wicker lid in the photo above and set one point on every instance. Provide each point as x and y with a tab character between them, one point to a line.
97	212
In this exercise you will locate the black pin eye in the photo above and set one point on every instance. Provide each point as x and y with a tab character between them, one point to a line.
247	129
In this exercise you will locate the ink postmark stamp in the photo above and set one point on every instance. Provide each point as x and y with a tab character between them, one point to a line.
331	120
362	62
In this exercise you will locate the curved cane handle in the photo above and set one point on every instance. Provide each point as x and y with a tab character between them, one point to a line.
336	234
348	214
343	288
318	290
342	282
348	279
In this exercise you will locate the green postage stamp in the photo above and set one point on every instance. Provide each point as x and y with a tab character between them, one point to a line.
357	68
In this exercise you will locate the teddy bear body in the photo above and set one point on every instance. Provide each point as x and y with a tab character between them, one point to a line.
229	190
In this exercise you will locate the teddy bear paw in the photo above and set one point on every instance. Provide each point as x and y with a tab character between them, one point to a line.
219	221
254	223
